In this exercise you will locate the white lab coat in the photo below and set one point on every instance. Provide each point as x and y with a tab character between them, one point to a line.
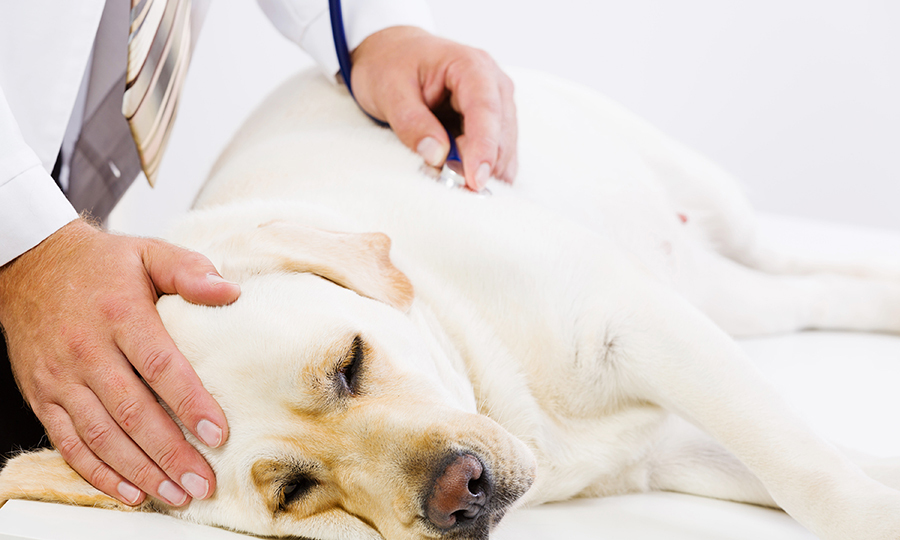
44	49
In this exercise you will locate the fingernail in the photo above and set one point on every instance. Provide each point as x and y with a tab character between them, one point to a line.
195	484
172	493
511	171
209	433
216	279
431	151
128	492
482	175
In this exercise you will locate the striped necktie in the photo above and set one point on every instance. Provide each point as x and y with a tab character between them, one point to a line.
159	52
144	84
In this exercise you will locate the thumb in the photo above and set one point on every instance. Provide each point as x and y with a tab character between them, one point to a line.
416	126
176	270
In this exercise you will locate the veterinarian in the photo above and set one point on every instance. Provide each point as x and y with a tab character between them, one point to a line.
77	304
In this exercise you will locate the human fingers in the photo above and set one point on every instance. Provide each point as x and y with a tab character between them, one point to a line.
99	449
387	81
414	123
191	275
117	418
166	454
476	95
72	448
148	346
144	341
508	160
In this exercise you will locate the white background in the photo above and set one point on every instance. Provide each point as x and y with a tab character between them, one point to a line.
798	98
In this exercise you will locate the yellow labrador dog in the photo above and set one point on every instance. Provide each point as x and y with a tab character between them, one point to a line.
409	361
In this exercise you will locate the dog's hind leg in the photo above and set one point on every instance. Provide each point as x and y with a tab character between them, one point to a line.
882	264
588	141
687	460
677	358
747	302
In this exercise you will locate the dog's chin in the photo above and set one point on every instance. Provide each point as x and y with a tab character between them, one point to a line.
481	532
506	496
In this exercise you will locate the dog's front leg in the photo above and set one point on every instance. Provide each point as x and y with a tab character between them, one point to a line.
682	361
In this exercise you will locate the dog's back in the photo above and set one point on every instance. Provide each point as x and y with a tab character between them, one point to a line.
583	157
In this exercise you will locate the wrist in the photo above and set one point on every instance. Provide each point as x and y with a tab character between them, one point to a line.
391	36
18	275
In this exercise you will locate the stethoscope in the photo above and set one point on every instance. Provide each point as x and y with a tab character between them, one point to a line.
452	171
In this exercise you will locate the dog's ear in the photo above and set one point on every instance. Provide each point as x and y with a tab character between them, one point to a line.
44	476
358	261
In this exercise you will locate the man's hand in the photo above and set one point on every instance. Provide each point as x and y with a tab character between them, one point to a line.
401	73
80	319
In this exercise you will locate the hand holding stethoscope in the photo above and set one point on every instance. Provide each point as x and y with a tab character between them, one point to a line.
479	93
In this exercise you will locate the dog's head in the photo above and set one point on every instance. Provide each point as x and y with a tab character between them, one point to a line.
349	416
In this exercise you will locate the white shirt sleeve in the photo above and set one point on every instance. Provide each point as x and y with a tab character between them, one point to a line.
306	23
31	205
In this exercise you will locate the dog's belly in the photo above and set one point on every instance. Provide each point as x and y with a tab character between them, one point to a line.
595	457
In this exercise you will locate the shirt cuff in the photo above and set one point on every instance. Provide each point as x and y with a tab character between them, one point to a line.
31	208
362	18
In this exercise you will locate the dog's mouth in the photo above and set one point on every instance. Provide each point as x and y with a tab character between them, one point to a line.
466	499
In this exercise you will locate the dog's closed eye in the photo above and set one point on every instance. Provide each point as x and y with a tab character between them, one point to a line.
285	482
351	367
295	488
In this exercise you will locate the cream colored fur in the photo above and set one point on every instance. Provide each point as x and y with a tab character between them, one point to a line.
571	331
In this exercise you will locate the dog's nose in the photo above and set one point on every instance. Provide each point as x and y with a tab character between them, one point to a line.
460	493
